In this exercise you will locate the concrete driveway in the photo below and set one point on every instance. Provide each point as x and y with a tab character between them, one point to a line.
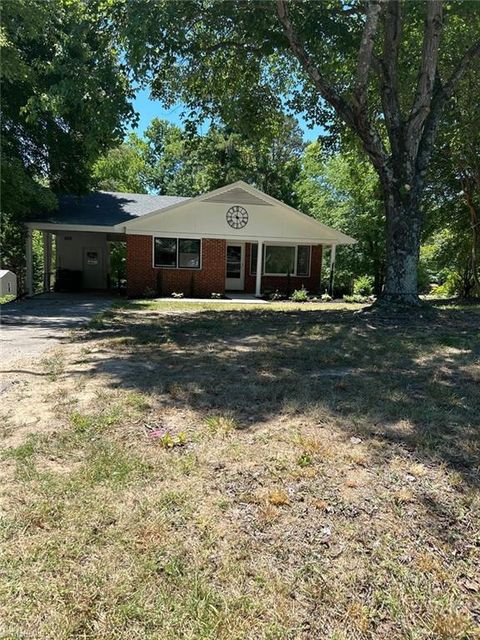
29	327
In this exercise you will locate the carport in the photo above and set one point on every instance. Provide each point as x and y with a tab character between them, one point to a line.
77	248
77	237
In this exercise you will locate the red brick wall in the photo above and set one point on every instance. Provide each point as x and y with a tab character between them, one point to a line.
272	283
142	276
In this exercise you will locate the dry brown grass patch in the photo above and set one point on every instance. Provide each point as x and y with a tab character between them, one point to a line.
404	496
277	497
321	505
358	616
357	456
454	624
431	565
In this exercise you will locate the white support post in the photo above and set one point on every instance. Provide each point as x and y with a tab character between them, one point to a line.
29	264
47	260
258	279
332	268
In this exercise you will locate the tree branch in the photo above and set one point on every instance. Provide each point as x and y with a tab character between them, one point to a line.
425	144
426	78
326	91
224	44
364	60
389	73
443	92
461	68
354	117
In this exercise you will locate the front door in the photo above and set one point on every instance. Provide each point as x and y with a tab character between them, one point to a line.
93	271
235	272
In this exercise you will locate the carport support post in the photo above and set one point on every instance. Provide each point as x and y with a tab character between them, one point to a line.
258	279
47	259
28	264
332	268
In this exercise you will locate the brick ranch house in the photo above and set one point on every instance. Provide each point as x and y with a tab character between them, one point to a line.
235	238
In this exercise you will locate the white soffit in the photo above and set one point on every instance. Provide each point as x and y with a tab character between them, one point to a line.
237	195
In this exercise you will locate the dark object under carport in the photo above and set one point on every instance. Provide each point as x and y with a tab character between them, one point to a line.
68	280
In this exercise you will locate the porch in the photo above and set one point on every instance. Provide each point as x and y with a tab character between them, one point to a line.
267	265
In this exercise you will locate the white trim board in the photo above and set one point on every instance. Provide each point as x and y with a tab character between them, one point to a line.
205	236
61	228
64	228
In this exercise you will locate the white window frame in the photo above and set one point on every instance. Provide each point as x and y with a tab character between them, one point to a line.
176	267
282	275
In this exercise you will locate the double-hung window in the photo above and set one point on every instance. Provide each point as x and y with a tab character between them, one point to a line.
189	254
177	253
281	260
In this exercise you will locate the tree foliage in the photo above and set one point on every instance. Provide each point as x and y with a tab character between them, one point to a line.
172	161
452	243
189	164
343	191
65	99
124	168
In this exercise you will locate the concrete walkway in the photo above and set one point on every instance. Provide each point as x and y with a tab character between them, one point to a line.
237	298
29	327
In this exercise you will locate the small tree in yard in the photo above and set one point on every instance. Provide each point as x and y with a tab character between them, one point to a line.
384	69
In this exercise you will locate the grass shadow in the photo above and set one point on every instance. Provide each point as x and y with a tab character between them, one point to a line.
413	384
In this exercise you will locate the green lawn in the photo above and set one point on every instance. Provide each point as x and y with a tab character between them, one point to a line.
213	471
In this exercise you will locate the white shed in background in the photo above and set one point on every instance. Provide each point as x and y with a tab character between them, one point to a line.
8	283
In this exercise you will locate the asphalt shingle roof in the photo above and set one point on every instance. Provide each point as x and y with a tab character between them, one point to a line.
105	208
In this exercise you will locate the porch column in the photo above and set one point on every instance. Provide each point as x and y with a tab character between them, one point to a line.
47	259
332	268
28	264
258	280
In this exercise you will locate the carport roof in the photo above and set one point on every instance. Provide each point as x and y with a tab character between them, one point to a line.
105	208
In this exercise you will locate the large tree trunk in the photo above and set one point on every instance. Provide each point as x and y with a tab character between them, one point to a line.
403	249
